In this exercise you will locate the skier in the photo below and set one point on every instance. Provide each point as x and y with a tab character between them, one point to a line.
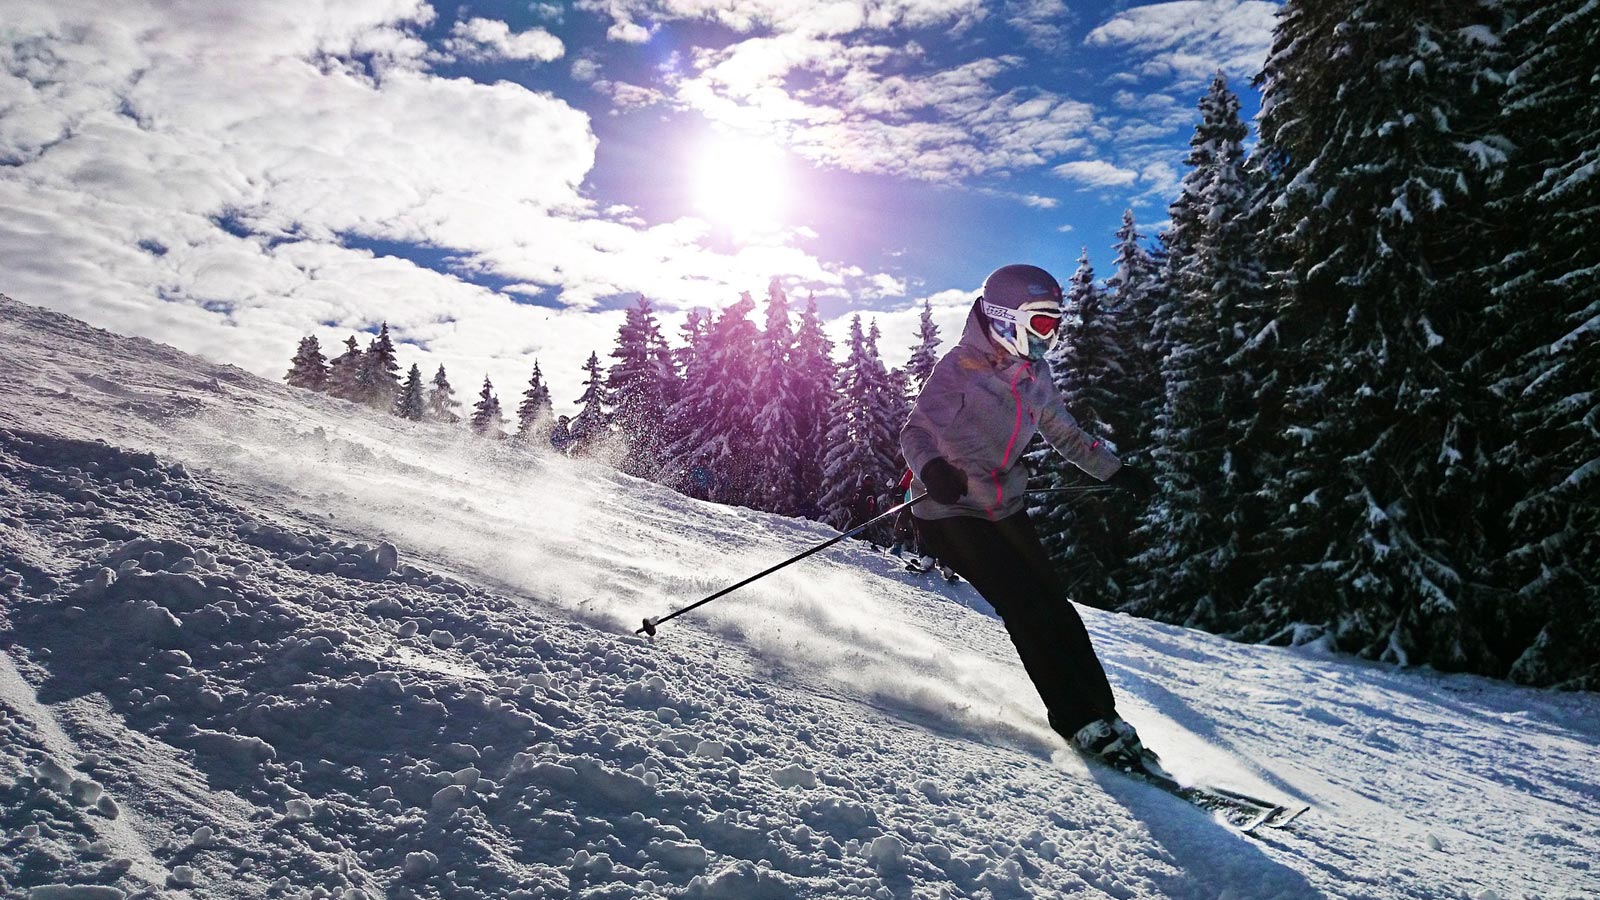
983	403
864	507
904	531
561	436
908	536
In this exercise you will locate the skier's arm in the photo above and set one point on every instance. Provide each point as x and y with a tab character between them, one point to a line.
1077	446
934	412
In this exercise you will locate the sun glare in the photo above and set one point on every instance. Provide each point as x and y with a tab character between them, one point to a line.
742	184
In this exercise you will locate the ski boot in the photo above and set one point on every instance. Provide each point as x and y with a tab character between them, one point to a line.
1116	743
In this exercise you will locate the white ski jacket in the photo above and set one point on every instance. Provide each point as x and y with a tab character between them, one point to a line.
979	409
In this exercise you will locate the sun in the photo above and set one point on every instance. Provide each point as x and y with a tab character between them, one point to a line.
742	184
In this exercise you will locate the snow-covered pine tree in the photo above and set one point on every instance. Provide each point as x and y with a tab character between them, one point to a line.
693	332
592	425
675	426
860	439
717	410
1198	561
890	405
1088	536
901	398
342	371
777	450
308	369
410	404
378	376
536	413
1546	315
926	352
813	377
441	399
1377	126
487	419
1131	292
641	384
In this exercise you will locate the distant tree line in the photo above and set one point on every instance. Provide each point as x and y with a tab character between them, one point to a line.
1363	361
371	377
762	417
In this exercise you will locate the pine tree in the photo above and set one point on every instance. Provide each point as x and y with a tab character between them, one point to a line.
861	440
378	376
814	373
717	409
309	369
901	398
890	405
777	449
441	399
1546	318
536	413
926	352
342	371
410	403
593	422
1132	292
1200	554
487	420
642	385
676	425
1088	536
1376	131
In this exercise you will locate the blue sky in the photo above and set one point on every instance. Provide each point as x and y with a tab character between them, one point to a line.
497	180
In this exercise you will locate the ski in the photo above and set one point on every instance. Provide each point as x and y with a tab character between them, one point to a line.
1246	813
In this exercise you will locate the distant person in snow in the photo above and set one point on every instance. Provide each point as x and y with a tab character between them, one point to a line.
865	506
904	531
701	481
964	438
907	536
561	435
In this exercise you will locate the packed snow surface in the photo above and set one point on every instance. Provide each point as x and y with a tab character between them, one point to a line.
260	643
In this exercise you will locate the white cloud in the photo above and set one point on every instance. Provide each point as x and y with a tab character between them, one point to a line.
628	33
1189	40
804	17
1043	22
918	121
1161	178
486	39
1096	173
812	76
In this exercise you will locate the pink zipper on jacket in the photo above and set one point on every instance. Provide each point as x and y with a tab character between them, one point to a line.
1016	429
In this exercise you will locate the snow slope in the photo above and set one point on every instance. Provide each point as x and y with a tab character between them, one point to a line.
260	643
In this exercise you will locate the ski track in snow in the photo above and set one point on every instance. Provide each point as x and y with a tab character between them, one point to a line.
259	643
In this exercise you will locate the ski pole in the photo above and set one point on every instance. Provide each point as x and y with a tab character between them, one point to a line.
1076	489
649	627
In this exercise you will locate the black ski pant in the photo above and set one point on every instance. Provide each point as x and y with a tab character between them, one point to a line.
1006	563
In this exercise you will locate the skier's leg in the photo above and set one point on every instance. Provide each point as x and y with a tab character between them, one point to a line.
1009	567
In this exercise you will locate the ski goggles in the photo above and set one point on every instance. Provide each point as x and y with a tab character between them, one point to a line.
1039	318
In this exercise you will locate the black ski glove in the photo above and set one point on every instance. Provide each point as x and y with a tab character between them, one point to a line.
945	483
1134	481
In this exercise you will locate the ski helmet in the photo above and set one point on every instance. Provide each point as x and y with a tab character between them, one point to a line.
1023	307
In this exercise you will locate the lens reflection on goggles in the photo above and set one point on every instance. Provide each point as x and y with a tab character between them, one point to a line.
1043	324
